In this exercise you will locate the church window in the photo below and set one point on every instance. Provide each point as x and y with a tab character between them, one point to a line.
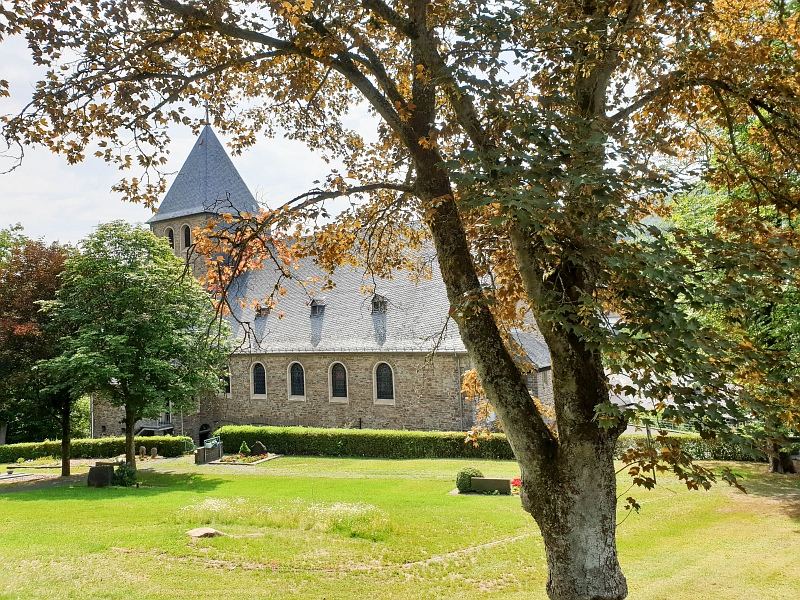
338	383
187	236
226	381
297	382
171	237
384	384
259	380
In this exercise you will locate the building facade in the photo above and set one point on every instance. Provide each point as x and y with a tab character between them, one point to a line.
369	353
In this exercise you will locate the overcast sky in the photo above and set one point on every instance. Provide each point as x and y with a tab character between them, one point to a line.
57	201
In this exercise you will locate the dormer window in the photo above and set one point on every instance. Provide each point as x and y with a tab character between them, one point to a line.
262	311
379	304
317	308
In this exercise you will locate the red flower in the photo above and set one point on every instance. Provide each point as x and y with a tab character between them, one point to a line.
516	482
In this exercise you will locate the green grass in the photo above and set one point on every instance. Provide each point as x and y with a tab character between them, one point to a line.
351	528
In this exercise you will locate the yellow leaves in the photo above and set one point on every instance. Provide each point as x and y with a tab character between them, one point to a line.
404	111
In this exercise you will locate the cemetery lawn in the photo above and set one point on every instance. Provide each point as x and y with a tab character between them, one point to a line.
317	528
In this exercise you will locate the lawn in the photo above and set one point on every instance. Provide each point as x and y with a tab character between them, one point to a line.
348	528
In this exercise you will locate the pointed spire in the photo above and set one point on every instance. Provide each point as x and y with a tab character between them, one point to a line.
207	183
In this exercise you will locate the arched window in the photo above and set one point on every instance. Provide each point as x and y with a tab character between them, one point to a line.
384	384
259	383
297	381
226	380
338	383
171	237
187	236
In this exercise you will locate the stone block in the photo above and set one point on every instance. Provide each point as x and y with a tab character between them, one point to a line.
102	476
489	484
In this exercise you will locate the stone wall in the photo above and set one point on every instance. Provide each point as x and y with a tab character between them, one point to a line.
427	395
192	221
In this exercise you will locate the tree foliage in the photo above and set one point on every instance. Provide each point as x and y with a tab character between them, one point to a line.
144	333
534	140
29	273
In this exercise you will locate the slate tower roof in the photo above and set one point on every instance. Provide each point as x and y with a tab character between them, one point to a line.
207	183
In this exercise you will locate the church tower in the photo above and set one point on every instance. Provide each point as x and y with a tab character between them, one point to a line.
207	185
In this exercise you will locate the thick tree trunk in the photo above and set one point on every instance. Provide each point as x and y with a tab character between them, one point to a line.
576	512
3	430
66	440
130	448
780	461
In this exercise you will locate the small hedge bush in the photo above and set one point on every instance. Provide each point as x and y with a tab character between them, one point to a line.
107	447
125	475
376	443
464	479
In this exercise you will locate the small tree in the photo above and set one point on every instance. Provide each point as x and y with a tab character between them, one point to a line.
145	333
35	406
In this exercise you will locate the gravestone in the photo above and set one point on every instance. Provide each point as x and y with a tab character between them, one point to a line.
101	476
154	453
142	451
258	449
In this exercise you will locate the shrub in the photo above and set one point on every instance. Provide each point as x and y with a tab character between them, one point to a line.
243	448
365	443
107	447
379	443
125	475
464	479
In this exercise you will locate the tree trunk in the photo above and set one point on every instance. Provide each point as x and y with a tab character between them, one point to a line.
65	441
575	509
780	461
3	430
130	448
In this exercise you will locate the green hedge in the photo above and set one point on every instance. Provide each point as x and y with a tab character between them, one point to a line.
374	443
698	448
367	443
107	447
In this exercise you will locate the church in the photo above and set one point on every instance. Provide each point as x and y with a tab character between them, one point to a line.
390	359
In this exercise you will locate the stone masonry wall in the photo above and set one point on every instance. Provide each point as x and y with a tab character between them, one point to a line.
427	394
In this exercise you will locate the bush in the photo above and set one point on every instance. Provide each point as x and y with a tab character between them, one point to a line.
379	443
243	448
464	479
365	443
125	475
695	446
107	447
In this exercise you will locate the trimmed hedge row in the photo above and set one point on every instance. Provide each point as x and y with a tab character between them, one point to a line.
375	443
107	447
695	446
364	443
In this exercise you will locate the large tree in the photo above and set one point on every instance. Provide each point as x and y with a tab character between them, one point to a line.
143	332
34	405
532	139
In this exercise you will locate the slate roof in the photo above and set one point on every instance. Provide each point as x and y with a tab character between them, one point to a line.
204	183
534	346
415	319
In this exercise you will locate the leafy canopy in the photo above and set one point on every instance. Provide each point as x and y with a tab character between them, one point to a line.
144	332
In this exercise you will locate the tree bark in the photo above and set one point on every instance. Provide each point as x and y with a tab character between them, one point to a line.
780	461
575	509
66	440
3	430
130	448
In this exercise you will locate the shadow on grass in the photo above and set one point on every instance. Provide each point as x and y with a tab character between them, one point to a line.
151	484
783	490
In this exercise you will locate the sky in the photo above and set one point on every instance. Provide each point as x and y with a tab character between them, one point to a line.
60	202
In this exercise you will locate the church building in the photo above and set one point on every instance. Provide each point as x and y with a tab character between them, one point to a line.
389	359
